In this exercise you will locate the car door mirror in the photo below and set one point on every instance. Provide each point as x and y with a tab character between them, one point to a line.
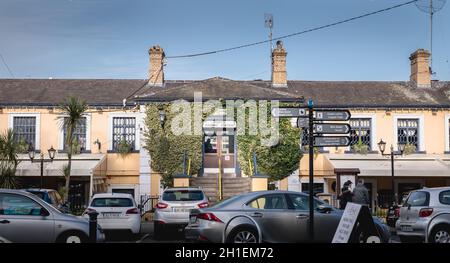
324	209
140	207
43	212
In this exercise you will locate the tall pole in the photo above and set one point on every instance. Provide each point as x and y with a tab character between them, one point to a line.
392	173
311	171
431	36
42	170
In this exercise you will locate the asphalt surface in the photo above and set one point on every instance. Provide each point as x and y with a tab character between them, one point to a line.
171	236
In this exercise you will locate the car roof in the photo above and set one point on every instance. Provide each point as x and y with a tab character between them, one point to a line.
14	191
103	195
39	190
434	189
182	188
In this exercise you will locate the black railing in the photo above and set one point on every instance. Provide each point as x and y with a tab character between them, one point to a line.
148	204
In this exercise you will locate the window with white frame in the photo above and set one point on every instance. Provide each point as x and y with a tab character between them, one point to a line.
24	128
361	131
408	132
123	128
79	135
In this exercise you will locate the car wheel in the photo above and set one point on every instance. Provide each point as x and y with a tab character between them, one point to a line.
243	235
440	234
72	237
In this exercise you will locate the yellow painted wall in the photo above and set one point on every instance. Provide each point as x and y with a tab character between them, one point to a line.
181	182
120	170
283	184
155	181
259	184
118	165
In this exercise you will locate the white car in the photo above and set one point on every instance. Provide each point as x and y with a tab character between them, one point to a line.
116	211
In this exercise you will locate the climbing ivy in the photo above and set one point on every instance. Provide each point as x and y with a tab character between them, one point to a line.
167	149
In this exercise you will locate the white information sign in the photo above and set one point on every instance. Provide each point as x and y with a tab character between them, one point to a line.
348	220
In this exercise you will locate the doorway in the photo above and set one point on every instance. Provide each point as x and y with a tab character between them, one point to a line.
219	147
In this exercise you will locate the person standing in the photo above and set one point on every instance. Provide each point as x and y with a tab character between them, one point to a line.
361	194
346	194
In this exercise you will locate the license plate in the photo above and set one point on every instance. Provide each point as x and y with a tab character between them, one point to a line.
182	209
192	219
110	215
407	228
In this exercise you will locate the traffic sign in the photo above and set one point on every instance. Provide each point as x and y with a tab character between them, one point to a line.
332	115
331	141
332	128
289	112
302	122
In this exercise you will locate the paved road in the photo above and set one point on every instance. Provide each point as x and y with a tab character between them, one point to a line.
172	236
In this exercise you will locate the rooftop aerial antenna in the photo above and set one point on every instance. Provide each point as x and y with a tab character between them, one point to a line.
268	23
430	7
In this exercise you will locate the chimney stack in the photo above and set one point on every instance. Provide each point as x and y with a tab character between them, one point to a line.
279	78
420	68
156	69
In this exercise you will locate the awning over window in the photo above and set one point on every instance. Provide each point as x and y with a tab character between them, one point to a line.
82	165
423	165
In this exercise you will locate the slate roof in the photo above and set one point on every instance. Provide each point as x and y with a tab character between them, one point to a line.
111	92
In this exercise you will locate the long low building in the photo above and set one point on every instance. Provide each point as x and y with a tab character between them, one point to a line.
416	112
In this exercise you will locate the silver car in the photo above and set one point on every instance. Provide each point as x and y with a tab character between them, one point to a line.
425	216
267	216
24	217
174	206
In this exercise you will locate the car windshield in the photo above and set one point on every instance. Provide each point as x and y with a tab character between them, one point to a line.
183	195
418	198
112	202
38	194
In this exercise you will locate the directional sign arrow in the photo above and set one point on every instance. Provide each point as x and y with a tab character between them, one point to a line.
329	115
332	128
289	112
331	141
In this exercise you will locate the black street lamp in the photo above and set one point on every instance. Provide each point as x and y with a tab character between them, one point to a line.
51	154
401	149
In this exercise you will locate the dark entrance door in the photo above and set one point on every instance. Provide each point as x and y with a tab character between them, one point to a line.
219	144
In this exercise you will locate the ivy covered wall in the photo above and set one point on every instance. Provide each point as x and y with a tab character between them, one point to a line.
167	149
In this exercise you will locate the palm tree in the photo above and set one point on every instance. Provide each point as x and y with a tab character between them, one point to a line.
9	149
72	109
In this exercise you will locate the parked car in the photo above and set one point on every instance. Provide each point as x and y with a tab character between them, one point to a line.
281	216
174	207
116	211
425	216
394	212
24	217
50	196
4	240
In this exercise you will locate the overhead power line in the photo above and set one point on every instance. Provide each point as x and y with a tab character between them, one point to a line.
293	34
6	65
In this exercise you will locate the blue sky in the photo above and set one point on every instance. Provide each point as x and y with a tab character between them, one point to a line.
110	38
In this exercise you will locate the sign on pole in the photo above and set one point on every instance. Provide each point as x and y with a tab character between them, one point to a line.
331	141
332	115
302	123
289	112
332	128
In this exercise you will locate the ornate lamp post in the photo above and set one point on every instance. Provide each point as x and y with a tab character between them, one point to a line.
51	154
401	149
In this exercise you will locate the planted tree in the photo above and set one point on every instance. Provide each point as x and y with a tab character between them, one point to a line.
73	110
9	149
